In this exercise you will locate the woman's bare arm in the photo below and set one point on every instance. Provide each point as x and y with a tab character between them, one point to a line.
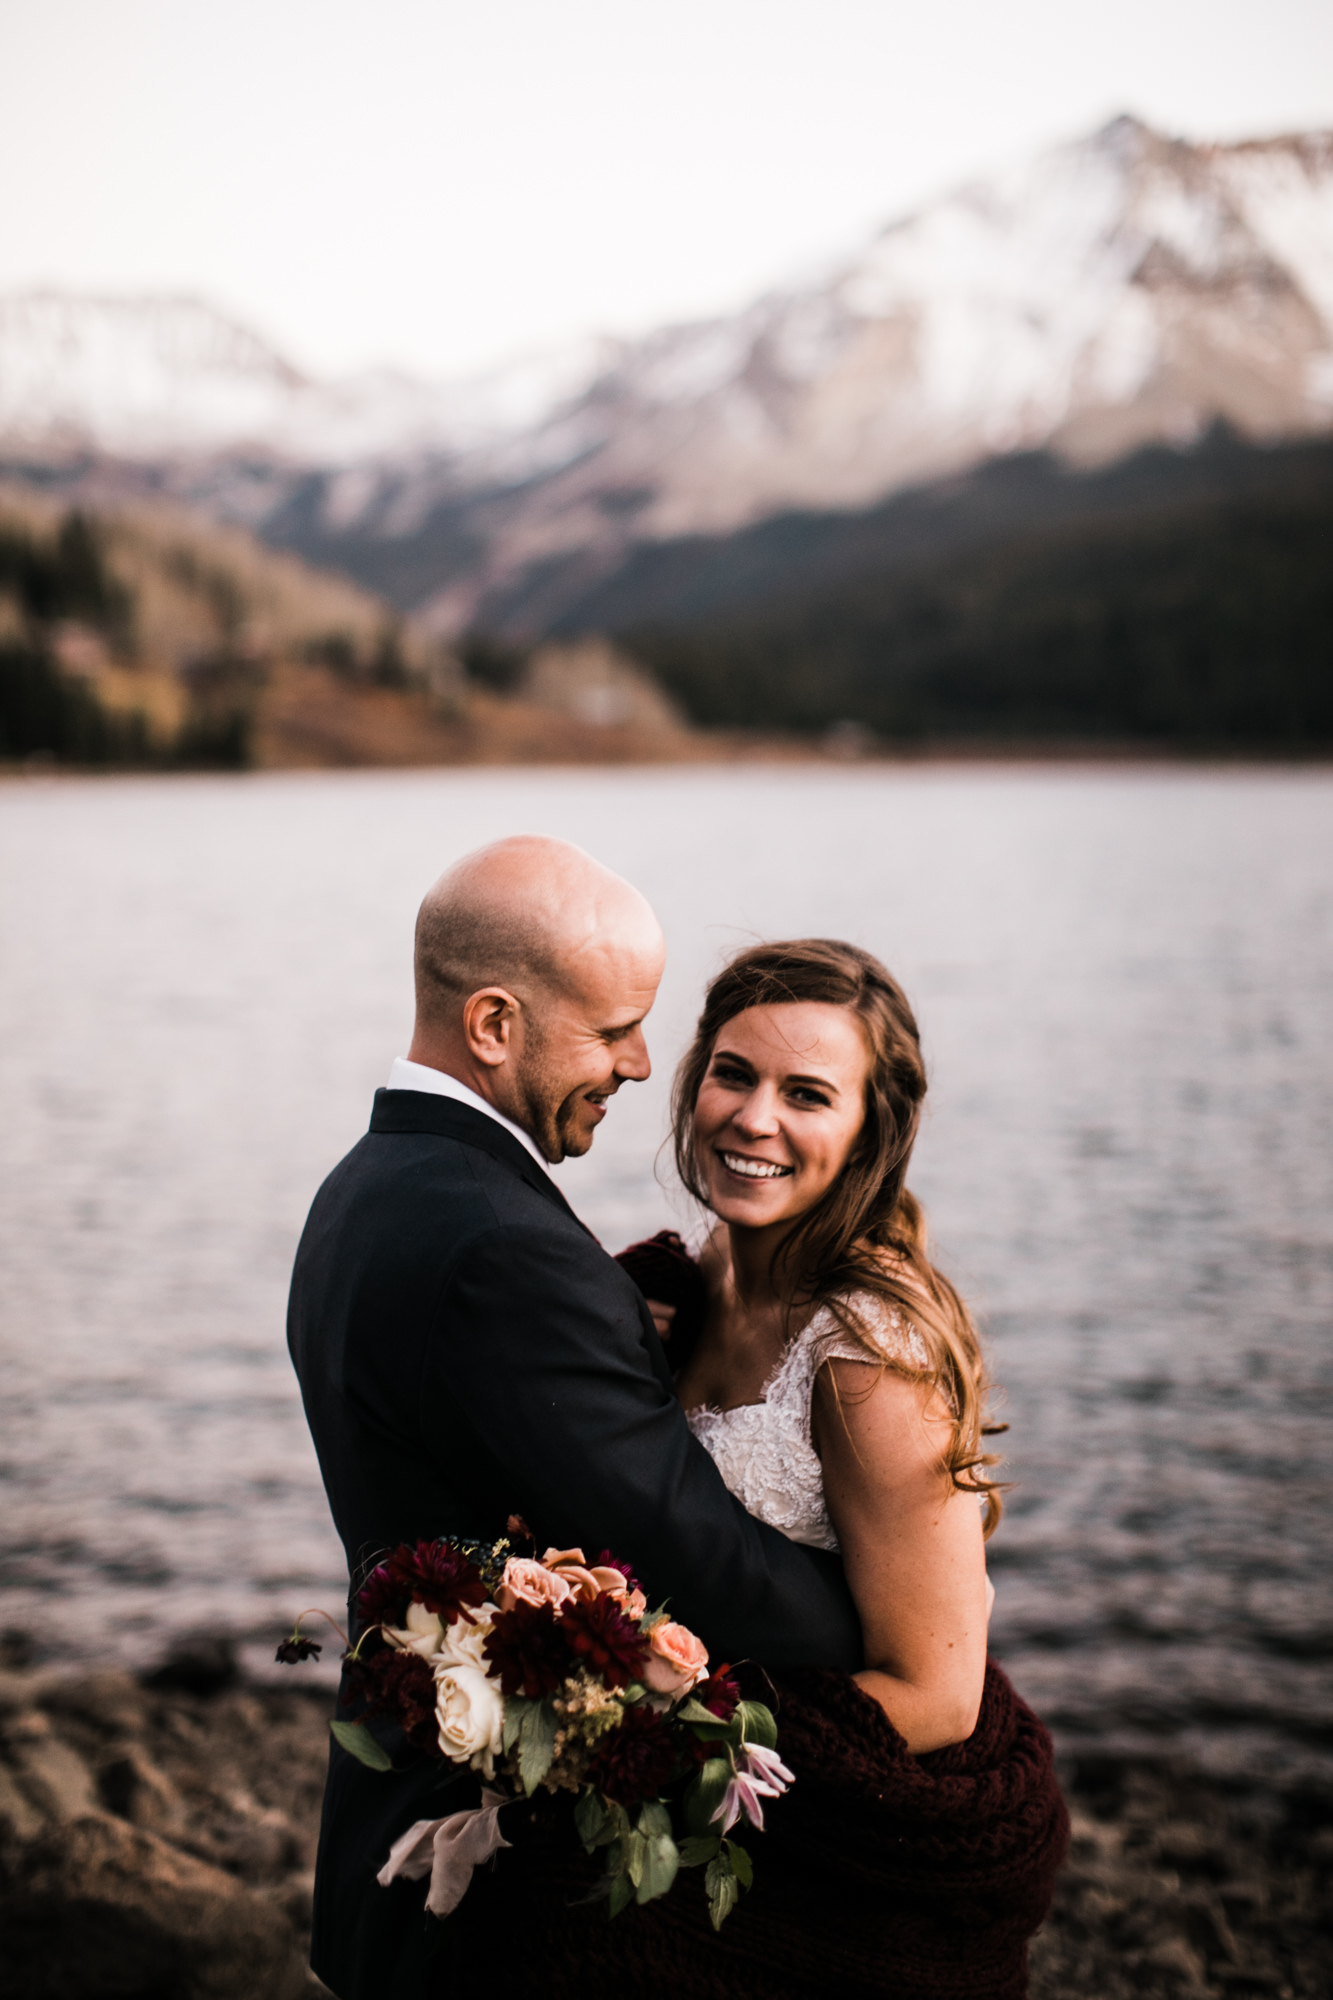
912	1546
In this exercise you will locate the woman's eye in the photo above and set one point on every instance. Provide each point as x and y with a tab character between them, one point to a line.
728	1073
804	1095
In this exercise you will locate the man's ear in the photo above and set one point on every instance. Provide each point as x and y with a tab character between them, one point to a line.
488	1019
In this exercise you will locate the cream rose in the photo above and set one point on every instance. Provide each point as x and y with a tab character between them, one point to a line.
462	1643
677	1661
422	1634
528	1582
470	1711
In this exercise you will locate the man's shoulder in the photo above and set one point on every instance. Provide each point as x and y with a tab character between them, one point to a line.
447	1185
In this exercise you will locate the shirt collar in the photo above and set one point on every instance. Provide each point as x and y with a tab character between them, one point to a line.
407	1075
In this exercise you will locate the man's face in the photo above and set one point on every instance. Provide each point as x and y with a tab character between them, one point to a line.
579	1044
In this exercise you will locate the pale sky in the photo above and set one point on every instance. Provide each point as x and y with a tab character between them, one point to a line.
441	183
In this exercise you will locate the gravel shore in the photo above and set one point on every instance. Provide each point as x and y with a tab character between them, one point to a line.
157	1838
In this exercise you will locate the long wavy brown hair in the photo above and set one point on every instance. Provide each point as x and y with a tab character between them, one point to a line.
868	1233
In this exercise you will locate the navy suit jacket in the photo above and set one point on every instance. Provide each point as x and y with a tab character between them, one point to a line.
467	1350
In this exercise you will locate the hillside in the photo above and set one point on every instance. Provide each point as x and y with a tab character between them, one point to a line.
146	638
1189	613
152	638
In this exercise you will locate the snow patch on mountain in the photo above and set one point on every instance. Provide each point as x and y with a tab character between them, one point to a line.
1108	293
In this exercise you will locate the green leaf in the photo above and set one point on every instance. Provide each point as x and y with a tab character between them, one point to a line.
757	1724
700	1847
634	1692
536	1745
516	1707
659	1867
622	1894
595	1820
705	1795
741	1864
707	1727
723	1890
636	1856
654	1819
356	1738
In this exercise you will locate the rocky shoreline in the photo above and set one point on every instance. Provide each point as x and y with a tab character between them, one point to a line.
157	1838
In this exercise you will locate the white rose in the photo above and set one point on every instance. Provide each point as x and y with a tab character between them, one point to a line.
462	1643
470	1711
423	1634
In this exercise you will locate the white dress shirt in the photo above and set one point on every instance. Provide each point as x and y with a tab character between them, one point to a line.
407	1075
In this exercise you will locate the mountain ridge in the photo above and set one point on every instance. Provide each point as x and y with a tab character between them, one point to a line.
1121	291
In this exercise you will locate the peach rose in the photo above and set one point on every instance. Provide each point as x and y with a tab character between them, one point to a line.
610	1582
528	1582
613	1585
677	1660
571	1564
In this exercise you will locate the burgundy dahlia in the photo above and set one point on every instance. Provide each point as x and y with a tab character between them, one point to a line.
719	1695
529	1651
400	1685
380	1600
634	1761
606	1641
437	1576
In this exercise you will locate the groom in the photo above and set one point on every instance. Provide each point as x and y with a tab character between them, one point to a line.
467	1350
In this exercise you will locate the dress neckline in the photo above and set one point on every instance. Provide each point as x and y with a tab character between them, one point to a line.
783	1361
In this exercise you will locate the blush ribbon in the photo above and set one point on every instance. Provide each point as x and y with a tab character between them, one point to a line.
447	1850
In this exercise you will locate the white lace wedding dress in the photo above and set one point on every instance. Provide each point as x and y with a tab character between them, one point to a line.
763	1450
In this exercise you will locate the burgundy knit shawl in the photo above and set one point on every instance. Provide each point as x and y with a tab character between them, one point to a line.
906	1878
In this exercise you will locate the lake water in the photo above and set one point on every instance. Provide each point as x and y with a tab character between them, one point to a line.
1125	980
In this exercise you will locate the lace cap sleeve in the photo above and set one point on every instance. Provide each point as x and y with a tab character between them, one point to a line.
884	1328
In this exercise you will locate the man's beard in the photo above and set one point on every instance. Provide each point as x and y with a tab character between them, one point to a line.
551	1120
555	1127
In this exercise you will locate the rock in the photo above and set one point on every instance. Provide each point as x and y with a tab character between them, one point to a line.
20	1821
201	1663
54	1777
1208	1930
112	1702
110	1910
1174	1956
133	1787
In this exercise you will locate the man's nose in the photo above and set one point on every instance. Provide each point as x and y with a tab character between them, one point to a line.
633	1063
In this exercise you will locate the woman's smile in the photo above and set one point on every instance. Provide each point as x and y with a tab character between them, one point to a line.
747	1168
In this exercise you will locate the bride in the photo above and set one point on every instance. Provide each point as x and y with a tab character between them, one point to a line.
836	1378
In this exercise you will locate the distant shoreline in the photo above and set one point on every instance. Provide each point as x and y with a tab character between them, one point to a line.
793	757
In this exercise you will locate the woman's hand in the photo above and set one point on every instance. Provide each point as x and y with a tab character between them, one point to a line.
663	1315
912	1547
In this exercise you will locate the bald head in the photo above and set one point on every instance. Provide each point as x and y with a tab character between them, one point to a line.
527	913
530	956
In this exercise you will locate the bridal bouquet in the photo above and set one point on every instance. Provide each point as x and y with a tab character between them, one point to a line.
553	1675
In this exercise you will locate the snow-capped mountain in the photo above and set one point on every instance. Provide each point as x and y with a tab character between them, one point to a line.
144	378
1118	290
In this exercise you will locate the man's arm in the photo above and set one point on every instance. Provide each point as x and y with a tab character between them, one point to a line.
544	1354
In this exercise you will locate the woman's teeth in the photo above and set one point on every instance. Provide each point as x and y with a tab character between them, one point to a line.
753	1170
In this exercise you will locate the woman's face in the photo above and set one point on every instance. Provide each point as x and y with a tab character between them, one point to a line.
779	1110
